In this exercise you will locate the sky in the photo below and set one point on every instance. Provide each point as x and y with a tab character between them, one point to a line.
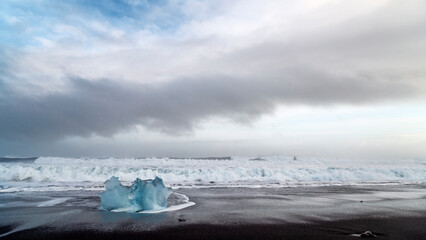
137	78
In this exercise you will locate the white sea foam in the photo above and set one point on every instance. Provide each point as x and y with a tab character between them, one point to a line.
237	171
181	203
52	202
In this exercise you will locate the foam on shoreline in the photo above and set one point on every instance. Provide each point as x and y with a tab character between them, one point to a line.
236	171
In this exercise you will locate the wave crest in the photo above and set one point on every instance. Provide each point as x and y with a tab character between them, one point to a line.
197	171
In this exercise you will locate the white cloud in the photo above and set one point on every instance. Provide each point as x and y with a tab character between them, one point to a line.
240	59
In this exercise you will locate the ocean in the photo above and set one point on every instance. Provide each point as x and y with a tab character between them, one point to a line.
53	173
51	198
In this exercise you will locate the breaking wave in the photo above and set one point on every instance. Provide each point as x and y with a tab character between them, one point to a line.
235	170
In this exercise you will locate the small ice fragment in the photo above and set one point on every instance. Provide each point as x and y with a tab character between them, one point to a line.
367	234
141	195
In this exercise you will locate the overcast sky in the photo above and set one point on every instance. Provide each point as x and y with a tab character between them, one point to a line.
137	78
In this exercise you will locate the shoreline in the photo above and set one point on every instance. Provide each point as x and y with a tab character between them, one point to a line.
390	212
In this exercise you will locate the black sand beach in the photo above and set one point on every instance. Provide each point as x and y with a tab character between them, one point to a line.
334	212
383	228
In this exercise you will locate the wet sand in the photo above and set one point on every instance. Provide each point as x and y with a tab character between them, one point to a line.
338	212
383	228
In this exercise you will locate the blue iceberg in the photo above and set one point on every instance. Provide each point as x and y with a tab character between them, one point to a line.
140	196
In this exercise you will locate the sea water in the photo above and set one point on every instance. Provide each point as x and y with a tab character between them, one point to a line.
60	192
55	174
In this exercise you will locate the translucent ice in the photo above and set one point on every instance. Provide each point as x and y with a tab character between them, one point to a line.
141	195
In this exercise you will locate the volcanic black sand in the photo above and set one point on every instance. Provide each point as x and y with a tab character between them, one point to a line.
389	212
383	228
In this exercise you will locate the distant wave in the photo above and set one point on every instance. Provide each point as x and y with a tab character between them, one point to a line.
15	160
236	170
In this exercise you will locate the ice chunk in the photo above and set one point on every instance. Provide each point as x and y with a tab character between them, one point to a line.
115	196
141	195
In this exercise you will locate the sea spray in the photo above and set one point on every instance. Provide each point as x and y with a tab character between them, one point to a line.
209	172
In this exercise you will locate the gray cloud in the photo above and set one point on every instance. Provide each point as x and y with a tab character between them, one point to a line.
364	60
105	107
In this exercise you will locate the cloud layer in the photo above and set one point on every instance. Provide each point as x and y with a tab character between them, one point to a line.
170	66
